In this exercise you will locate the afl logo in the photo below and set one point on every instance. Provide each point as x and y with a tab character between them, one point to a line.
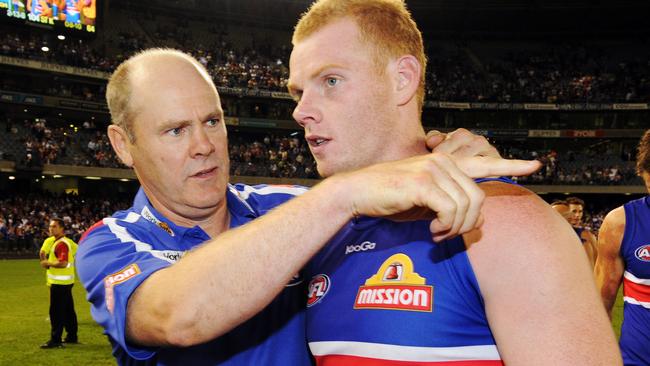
643	253
318	287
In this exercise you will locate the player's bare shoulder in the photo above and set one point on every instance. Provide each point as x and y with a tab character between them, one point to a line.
512	211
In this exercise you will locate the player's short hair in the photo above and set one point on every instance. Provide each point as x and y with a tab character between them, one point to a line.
59	221
119	89
575	201
643	154
385	25
559	203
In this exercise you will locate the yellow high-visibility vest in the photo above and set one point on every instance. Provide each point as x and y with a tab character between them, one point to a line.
60	276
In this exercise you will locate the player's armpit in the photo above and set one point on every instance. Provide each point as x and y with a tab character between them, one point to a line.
539	292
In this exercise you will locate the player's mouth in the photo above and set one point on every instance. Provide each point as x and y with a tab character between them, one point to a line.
317	142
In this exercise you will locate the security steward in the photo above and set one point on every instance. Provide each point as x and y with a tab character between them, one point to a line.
57	257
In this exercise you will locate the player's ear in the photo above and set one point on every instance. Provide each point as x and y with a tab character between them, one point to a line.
120	141
408	78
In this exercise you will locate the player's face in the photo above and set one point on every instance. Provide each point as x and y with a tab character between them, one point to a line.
55	229
180	153
345	105
576	214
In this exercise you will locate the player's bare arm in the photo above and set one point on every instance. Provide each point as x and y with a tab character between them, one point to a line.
539	293
609	264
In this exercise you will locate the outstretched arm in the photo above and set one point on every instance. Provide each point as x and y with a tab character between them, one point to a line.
251	264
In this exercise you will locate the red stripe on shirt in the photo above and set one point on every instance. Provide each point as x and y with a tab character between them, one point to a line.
344	360
95	226
636	291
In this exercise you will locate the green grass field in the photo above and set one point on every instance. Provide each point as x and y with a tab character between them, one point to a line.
24	322
24	325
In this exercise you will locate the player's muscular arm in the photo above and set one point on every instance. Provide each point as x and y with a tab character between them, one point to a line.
609	264
228	280
540	298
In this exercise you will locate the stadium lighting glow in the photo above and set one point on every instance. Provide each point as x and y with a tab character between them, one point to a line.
567	193
293	134
42	177
36	180
93	178
71	126
25	110
61	37
45	49
11	177
57	176
125	180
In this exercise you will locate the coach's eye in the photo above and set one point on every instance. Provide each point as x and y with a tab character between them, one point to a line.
175	131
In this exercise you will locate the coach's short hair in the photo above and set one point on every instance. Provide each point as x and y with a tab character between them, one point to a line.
119	89
385	25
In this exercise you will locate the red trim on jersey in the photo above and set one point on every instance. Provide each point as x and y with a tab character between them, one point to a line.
95	226
636	291
343	360
61	251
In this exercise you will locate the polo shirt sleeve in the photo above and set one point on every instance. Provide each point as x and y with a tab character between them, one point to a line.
113	259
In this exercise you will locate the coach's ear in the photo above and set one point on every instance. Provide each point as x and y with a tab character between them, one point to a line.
408	78
120	142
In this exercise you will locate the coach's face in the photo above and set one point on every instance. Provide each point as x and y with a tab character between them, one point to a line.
180	152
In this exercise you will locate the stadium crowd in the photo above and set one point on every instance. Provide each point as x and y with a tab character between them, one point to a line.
272	155
555	74
24	219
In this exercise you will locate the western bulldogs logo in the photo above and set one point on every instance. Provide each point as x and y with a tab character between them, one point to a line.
318	287
643	253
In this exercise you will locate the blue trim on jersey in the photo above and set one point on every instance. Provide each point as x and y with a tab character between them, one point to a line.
273	337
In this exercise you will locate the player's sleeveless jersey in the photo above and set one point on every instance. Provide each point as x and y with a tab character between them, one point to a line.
383	293
635	251
118	253
579	231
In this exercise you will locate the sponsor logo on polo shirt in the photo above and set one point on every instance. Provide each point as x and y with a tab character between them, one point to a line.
395	286
114	279
643	253
366	245
148	215
318	287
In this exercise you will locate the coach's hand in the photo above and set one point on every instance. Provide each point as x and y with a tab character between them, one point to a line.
434	186
460	142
